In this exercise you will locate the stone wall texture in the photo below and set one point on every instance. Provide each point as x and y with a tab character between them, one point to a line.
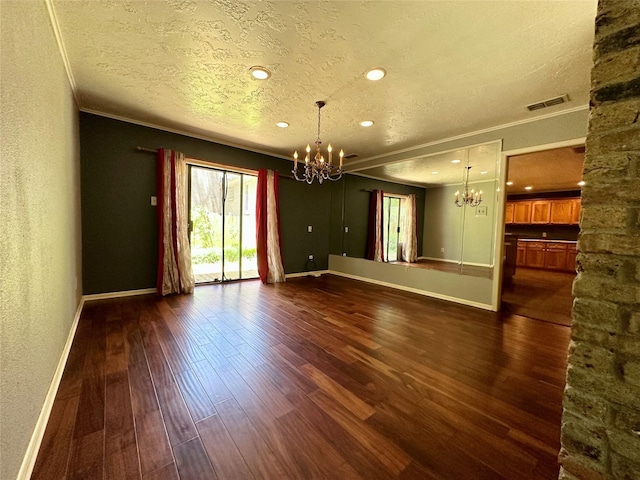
601	419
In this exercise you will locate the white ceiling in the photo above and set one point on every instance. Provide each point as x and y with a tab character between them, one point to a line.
554	170
453	67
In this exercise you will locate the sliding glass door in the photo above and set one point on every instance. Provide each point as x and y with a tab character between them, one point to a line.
222	224
392	223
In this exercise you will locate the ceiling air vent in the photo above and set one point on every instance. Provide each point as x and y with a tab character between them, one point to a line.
548	103
350	156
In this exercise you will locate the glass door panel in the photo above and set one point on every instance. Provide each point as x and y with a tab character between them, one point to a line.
232	226
248	258
391	227
223	236
206	209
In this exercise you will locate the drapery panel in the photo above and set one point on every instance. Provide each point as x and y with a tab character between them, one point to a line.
175	274
269	250
374	237
410	240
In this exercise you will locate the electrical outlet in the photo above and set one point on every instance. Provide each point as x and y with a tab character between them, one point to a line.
544	234
346	229
310	228
310	257
442	250
154	200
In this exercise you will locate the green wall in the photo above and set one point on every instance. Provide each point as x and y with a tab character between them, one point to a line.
444	221
119	246
350	208
119	231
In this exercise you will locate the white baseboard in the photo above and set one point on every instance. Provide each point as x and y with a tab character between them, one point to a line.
29	460
426	293
125	293
314	273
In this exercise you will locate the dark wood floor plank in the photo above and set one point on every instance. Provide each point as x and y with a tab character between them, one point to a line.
392	457
319	450
264	422
222	451
212	384
90	417
367	464
192	461
55	449
198	402
116	358
326	378
168	472
260	459
87	459
179	424
153	444
338	393
121	449
121	456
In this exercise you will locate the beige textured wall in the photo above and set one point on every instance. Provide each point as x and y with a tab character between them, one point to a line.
39	220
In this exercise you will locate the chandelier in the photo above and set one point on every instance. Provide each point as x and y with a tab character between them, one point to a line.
469	197
317	167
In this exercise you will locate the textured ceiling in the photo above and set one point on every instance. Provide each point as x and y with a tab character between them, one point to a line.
453	66
547	171
447	168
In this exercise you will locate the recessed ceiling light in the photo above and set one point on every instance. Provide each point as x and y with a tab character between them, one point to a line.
434	173
484	172
509	183
282	124
528	187
377	73
455	161
259	72
581	183
366	123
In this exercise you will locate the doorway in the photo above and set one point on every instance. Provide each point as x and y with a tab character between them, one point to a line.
222	224
541	225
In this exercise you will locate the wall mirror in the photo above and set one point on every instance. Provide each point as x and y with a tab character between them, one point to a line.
459	239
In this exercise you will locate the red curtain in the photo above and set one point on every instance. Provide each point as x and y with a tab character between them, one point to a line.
261	225
174	253
374	237
268	246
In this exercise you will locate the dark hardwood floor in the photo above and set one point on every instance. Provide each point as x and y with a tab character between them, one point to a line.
325	378
540	294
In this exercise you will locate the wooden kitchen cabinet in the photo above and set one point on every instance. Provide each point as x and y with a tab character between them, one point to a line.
555	257
546	254
553	211
575	211
508	213
540	211
522	212
562	211
535	254
572	252
521	257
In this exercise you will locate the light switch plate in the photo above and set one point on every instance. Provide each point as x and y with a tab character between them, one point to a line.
481	211
154	200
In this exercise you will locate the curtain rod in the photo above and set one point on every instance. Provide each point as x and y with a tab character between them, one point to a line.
145	149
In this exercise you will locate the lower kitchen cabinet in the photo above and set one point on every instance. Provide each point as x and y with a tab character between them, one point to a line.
547	254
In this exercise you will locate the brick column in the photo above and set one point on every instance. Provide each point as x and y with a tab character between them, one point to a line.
601	419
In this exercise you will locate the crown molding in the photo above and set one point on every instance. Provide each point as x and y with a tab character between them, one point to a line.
180	132
466	135
53	18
